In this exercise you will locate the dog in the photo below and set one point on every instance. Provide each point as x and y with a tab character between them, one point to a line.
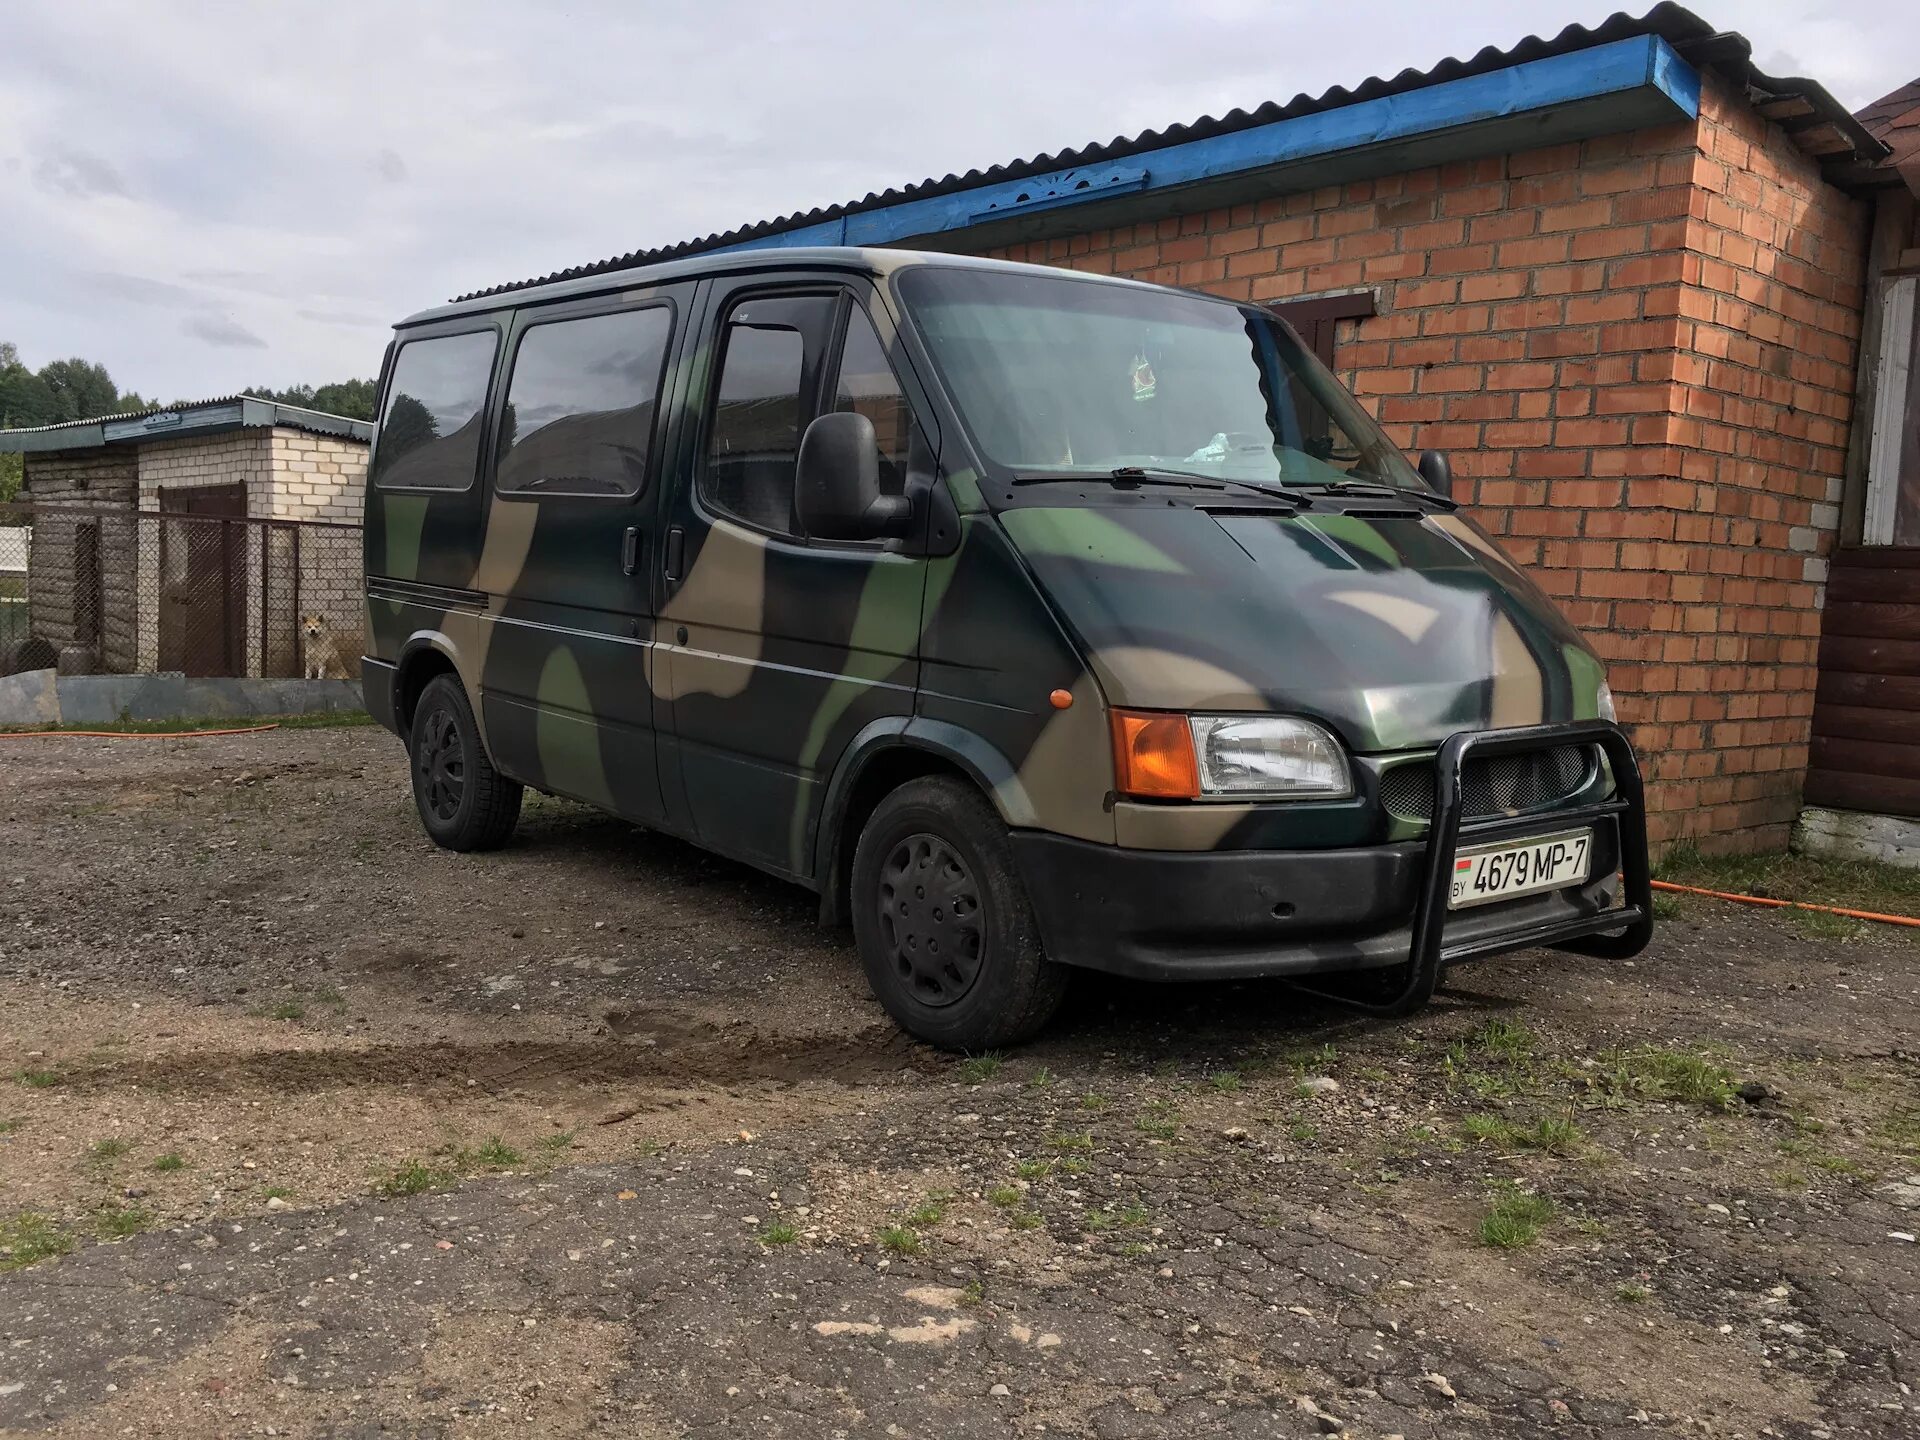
325	656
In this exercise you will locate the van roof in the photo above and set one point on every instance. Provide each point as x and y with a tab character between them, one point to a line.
840	257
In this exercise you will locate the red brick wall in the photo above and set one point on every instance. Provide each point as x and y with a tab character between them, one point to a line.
1638	350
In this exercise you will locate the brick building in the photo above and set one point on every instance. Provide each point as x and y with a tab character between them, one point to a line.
171	540
1616	274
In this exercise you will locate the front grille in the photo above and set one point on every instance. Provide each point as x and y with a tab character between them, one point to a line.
1531	780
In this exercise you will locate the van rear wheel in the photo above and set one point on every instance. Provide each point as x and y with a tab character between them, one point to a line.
464	803
942	921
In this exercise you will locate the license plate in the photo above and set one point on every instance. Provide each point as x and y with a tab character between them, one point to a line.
1522	867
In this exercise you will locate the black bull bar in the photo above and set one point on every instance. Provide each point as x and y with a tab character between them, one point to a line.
1613	934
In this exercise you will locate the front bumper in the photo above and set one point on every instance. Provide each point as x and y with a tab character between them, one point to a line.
1222	914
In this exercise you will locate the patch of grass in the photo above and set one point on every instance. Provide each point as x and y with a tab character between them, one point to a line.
930	1211
116	1222
976	1069
1042	1079
1819	925
1302	1133
1024	1220
1505	1040
1224	1081
1842	1166
288	1010
899	1240
1553	1134
1515	1220
276	1192
559	1142
1657	1073
1632	1294
1157	1127
28	1238
8	1126
411	1178
1134	1249
103	1152
1094	1103
1899	1129
168	1163
37	1079
1317	1058
973	1293
1667	906
1033	1169
1072	1167
1005	1196
777	1232
1070	1140
496	1154
1133	1216
1850	884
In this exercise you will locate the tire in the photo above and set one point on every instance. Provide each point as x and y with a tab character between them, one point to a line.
464	803
933	842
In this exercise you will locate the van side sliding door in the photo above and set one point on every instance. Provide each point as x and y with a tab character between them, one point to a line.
572	537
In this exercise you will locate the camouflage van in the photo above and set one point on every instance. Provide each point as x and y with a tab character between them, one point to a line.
1035	620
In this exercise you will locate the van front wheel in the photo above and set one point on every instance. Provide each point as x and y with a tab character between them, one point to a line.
464	803
943	924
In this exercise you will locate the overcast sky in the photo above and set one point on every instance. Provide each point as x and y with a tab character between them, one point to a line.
205	196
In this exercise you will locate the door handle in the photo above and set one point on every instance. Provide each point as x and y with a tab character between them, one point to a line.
630	550
676	552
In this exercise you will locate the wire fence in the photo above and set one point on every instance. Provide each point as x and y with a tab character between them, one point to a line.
109	590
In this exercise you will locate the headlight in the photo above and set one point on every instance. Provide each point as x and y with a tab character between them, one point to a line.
1607	712
1271	755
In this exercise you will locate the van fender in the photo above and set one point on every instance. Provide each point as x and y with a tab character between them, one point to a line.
437	642
984	764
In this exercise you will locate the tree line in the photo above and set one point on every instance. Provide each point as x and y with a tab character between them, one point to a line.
76	389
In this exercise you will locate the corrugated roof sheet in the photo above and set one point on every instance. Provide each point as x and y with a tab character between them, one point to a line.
291	417
1804	107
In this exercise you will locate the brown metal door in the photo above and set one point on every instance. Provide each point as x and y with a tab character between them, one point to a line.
203	576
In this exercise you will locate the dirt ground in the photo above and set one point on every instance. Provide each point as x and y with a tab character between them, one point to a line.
309	1129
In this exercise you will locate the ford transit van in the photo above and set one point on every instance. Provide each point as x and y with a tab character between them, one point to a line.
1037	621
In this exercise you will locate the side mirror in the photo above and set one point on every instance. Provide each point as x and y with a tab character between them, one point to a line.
1437	471
837	483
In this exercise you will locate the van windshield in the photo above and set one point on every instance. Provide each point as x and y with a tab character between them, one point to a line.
1068	376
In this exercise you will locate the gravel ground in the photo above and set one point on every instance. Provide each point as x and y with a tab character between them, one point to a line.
309	1129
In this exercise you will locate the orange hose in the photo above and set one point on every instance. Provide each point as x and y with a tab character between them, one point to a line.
129	734
1788	904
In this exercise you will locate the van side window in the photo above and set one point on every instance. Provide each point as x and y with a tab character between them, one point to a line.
430	429
762	403
580	404
868	387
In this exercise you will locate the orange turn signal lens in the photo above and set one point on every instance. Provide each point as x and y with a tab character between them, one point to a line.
1153	755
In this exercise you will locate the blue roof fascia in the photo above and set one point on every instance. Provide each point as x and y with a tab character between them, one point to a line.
1637	67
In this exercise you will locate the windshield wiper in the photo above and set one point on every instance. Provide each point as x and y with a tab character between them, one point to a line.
1128	475
1363	490
1123	475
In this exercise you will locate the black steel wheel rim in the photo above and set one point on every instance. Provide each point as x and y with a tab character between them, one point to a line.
930	919
440	765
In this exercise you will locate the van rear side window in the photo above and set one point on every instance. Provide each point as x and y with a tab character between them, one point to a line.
430	430
580	404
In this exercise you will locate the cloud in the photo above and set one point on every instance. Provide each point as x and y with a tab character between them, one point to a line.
218	330
142	289
76	173
200	205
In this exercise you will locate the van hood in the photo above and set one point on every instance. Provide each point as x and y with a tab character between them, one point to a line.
1395	630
